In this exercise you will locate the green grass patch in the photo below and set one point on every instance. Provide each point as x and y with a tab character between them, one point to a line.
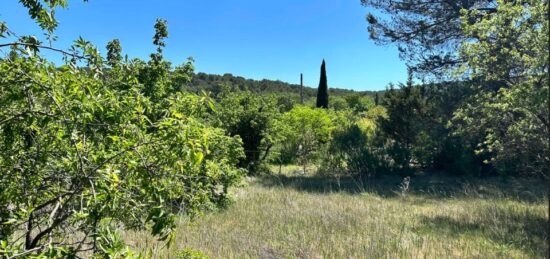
305	216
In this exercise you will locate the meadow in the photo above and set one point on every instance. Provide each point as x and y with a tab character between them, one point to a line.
293	215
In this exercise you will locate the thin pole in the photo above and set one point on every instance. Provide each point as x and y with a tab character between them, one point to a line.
301	88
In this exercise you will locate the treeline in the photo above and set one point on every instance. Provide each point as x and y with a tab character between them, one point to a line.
411	128
216	83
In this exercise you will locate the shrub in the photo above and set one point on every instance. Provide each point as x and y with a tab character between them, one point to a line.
352	152
250	117
304	132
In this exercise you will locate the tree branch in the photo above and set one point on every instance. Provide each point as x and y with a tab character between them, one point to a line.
41	47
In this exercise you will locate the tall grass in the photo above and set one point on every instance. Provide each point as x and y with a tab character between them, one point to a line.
302	216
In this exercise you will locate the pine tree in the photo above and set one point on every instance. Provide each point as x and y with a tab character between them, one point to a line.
322	92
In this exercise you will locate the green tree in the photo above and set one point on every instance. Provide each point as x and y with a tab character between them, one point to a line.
353	152
508	61
84	151
359	103
497	47
322	91
427	32
406	109
155	75
305	132
251	118
415	128
114	53
338	103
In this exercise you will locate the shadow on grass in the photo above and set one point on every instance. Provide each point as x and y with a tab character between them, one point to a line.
429	186
505	226
327	184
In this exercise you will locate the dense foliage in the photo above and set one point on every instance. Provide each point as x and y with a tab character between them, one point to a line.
509	111
495	118
89	148
250	117
305	130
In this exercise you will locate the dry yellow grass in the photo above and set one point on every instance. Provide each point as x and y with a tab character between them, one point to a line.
315	217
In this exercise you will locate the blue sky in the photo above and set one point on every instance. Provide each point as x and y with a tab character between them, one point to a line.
251	38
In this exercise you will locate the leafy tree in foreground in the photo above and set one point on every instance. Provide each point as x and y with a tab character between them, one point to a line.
322	91
85	151
511	117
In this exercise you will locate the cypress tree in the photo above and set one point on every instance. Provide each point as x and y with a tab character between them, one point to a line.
322	92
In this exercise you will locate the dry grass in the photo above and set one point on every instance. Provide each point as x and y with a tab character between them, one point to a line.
315	217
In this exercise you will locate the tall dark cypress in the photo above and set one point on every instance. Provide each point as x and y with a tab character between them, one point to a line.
322	92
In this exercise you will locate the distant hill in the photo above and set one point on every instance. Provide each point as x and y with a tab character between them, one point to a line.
214	83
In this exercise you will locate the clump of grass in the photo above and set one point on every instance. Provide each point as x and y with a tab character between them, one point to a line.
404	186
310	217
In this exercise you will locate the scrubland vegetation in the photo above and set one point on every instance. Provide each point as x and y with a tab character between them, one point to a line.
108	156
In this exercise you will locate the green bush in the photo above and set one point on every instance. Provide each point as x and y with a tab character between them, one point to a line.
304	132
352	152
249	117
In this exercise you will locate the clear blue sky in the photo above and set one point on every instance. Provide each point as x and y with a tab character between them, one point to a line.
250	38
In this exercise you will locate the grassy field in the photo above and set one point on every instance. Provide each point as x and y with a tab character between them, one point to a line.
301	216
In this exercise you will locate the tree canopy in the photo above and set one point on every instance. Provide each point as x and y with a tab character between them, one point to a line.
427	32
